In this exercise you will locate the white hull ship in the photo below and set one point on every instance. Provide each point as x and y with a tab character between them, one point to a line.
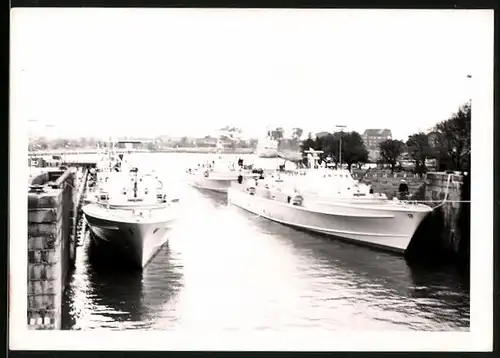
129	213
213	181
217	173
331	206
138	237
267	148
217	180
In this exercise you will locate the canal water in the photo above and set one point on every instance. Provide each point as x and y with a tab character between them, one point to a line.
226	269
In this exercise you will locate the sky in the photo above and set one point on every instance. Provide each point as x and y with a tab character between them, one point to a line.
146	72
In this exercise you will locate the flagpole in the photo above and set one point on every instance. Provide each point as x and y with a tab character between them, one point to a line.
469	77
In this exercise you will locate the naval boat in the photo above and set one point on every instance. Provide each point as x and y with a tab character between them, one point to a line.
108	161
130	212
267	147
218	172
326	201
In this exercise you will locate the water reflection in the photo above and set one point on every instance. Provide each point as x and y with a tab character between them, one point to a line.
219	199
118	296
441	292
380	284
226	269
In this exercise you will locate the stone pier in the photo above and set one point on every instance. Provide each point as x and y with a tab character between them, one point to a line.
52	213
81	176
445	233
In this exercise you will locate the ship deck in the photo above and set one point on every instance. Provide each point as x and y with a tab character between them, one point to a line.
144	214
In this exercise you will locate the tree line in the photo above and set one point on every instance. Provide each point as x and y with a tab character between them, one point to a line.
353	148
449	143
43	143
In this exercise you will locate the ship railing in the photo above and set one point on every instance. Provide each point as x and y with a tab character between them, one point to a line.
143	210
434	204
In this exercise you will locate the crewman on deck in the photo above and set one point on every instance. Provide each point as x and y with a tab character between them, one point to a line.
403	190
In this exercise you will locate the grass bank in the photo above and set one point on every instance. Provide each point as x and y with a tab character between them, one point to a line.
382	181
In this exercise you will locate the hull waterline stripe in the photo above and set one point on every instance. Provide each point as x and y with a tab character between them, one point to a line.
314	228
311	210
221	190
423	209
331	232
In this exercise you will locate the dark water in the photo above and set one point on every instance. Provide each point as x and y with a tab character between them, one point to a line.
225	269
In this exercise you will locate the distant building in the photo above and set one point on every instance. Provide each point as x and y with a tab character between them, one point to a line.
372	138
207	141
172	141
322	134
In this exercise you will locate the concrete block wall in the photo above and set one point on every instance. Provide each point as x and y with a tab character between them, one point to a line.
40	179
44	260
49	227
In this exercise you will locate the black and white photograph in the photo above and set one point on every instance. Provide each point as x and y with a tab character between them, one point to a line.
251	179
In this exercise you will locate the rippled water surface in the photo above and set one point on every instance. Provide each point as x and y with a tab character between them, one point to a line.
226	269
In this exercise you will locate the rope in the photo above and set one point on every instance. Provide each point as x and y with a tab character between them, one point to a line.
441	202
445	193
436	201
438	206
68	184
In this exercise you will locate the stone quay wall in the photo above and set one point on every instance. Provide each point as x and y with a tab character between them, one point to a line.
81	175
446	230
51	250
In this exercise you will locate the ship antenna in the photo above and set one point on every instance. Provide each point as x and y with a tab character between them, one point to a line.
135	186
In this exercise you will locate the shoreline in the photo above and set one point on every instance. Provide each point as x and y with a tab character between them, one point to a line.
199	150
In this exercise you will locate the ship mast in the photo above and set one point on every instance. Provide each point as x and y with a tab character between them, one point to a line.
135	186
313	157
340	143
